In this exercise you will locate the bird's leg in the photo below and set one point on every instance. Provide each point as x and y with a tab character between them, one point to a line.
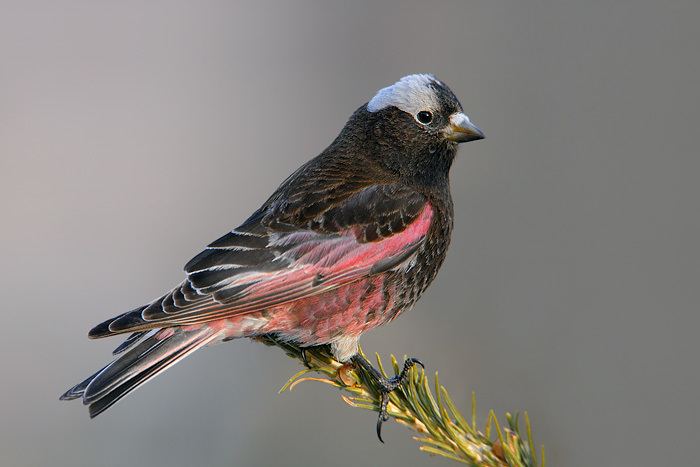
386	385
304	359
304	354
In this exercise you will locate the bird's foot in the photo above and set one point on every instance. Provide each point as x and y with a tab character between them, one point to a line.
304	358
304	354
386	385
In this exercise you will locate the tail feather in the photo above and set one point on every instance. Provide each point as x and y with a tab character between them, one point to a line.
143	360
130	319
78	390
129	342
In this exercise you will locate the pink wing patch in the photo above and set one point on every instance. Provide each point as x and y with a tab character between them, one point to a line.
320	263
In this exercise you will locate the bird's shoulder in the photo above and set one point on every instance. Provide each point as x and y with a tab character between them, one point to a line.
373	212
368	214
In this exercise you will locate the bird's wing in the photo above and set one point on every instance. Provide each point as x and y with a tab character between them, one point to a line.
283	254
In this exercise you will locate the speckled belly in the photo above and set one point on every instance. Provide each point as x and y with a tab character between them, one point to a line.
349	310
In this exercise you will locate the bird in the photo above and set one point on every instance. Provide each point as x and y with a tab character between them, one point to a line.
346	243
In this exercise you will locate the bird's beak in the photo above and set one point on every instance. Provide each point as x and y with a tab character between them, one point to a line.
461	130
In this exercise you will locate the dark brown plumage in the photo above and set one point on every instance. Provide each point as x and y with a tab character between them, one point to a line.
345	244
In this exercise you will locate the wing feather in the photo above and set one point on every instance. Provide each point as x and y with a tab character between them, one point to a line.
283	254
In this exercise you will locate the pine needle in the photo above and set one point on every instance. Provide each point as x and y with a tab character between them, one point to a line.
442	428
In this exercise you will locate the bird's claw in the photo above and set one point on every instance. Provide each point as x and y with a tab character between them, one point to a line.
386	385
383	415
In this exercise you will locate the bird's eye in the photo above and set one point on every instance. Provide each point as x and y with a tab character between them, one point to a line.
424	117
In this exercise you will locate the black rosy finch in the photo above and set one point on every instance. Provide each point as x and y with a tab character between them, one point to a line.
346	243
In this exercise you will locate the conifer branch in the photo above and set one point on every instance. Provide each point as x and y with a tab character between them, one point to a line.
441	428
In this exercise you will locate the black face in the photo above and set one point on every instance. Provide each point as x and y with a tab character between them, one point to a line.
435	118
411	130
415	146
410	148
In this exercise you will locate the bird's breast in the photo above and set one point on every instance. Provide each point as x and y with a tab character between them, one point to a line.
412	281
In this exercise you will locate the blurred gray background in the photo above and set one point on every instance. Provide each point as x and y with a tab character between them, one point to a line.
133	133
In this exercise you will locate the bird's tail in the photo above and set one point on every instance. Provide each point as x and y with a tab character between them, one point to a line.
145	355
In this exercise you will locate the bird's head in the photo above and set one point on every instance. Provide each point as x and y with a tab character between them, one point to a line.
416	125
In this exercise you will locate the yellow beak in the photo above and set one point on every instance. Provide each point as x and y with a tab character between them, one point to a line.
460	129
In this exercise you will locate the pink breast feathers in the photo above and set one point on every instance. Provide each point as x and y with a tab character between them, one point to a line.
330	288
